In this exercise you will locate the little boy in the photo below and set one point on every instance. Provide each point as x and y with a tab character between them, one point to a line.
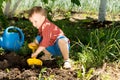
51	39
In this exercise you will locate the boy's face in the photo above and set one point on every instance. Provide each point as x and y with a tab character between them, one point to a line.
36	19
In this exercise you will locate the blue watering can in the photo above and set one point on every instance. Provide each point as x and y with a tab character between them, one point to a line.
12	41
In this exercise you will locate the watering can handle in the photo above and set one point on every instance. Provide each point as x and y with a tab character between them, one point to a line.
18	29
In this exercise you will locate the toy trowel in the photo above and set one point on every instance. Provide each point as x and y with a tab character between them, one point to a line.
33	61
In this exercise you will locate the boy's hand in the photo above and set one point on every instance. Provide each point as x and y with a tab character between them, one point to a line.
34	55
39	49
33	46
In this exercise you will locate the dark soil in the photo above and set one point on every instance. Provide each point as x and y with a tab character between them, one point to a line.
15	67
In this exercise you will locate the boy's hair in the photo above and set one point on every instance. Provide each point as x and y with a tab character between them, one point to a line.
37	9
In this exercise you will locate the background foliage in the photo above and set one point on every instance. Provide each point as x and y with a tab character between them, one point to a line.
66	5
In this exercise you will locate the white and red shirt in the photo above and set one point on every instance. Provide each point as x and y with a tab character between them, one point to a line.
49	33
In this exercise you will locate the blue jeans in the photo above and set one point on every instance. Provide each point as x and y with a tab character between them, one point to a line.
54	49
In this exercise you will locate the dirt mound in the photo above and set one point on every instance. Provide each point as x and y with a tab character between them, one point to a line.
14	67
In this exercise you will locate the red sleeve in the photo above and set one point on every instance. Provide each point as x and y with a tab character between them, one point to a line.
46	33
49	33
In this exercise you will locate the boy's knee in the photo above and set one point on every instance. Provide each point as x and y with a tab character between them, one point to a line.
62	41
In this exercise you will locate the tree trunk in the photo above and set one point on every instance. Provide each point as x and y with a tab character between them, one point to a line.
7	8
15	7
102	10
8	12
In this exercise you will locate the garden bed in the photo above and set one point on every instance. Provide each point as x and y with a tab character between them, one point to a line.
14	67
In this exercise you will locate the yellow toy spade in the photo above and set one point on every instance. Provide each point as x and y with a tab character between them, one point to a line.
33	61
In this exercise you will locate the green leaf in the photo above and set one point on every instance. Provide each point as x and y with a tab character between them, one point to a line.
77	2
45	1
1	1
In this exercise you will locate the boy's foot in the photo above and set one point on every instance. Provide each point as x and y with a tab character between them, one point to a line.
67	64
46	57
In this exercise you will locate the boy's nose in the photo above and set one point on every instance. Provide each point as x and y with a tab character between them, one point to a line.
34	24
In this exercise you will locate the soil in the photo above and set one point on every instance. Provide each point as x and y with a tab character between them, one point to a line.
15	67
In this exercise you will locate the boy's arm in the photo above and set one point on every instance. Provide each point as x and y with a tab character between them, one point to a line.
35	54
35	41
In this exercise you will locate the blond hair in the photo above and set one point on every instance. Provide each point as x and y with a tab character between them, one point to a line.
37	9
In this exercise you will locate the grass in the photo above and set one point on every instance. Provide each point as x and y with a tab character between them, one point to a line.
92	46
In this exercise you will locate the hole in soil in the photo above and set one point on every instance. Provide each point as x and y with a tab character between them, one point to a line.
15	67
12	60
